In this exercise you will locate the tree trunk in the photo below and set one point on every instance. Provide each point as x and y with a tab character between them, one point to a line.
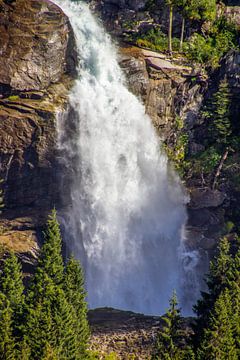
219	168
182	34
170	29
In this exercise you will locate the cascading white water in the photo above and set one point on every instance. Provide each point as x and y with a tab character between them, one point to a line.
127	206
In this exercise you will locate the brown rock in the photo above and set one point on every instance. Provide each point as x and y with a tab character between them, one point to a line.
34	43
206	198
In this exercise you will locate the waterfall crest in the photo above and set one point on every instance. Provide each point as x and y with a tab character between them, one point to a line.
127	208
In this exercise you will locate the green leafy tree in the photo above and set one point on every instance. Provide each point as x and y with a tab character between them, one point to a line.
218	342
169	337
74	290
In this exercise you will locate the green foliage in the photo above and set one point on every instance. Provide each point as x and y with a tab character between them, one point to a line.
11	284
217	325
51	324
75	293
208	49
50	261
7	344
176	153
156	40
13	98
218	341
221	122
169	337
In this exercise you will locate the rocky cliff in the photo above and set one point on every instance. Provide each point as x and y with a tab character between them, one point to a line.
37	64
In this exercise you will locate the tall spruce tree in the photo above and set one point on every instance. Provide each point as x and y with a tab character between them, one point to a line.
169	337
11	286
11	282
217	280
218	341
7	341
75	293
220	126
55	321
51	261
64	324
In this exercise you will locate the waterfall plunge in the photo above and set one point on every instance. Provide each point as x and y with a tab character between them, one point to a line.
127	208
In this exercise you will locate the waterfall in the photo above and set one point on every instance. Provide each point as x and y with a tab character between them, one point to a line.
127	211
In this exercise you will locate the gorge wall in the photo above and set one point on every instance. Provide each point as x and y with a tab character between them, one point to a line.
37	67
37	64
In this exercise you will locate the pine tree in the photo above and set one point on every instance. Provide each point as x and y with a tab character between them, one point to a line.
7	343
39	330
11	286
50	264
74	290
221	127
64	322
234	288
51	261
218	341
11	282
217	280
53	328
167	347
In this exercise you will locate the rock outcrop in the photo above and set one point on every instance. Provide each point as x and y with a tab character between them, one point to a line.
168	87
37	65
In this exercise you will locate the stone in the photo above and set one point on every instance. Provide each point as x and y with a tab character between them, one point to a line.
34	44
205	198
37	67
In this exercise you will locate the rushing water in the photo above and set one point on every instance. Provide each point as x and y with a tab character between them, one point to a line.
127	210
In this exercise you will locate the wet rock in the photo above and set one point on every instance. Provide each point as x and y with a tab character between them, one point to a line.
206	198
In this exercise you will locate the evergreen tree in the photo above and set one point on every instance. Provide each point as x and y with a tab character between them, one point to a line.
39	331
56	322
64	324
50	264
7	343
51	261
75	293
221	123
234	288
169	338
217	280
11	282
218	341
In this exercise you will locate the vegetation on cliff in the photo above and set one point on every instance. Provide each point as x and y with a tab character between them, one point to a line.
209	33
46	320
216	328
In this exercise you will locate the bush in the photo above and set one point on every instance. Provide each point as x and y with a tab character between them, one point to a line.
209	49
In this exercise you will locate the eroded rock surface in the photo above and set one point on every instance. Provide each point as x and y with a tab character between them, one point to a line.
37	65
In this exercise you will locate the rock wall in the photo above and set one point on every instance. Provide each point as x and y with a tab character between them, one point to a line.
37	65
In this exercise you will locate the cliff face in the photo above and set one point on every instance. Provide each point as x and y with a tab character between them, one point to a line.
36	67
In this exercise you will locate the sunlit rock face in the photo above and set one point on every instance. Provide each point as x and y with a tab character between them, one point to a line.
37	63
34	41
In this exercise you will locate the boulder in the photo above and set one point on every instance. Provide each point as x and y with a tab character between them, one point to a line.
201	198
34	44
